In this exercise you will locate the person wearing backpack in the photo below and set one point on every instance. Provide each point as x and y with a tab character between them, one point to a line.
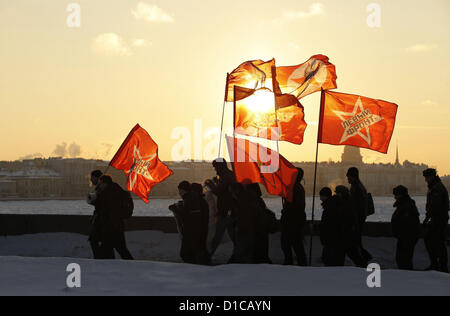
360	200
114	206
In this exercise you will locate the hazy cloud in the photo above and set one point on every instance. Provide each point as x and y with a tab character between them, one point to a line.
74	150
60	150
110	44
421	48
31	156
314	9
151	13
139	43
63	150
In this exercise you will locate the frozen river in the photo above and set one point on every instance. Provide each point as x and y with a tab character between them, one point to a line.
159	207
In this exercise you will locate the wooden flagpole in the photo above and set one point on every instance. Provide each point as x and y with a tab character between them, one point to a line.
319	127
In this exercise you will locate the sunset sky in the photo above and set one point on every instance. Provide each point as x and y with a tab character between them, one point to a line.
163	64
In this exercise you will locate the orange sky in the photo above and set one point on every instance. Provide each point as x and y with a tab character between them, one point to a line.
163	64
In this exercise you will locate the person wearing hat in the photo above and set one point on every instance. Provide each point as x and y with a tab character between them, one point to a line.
405	227
436	221
360	199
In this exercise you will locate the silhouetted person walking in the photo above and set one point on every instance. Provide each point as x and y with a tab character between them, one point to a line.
225	218
350	229
405	227
95	233
204	257
331	229
112	203
245	210
436	221
265	224
360	199
293	222
191	211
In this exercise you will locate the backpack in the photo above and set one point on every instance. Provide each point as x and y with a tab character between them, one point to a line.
126	205
371	205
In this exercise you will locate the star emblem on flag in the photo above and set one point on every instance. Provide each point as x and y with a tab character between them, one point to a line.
140	167
356	122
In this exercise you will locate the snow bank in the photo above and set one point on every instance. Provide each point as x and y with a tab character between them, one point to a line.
158	246
31	276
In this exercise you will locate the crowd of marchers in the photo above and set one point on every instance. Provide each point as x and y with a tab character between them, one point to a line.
221	206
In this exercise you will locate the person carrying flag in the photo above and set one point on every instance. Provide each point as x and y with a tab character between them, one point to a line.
112	203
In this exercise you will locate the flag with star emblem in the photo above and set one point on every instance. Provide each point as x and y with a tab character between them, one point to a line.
312	76
354	120
138	159
253	163
255	115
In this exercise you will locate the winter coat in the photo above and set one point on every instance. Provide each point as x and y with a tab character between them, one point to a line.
406	219
437	202
224	198
293	215
360	200
194	215
108	205
349	221
331	227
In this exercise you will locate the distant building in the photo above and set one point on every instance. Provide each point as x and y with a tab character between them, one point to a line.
69	178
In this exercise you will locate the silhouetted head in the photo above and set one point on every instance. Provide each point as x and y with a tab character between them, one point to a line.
95	176
183	188
104	181
325	194
400	191
220	165
300	174
255	188
342	191
430	174
197	188
352	175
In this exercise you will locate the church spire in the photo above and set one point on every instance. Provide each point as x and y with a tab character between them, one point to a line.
397	160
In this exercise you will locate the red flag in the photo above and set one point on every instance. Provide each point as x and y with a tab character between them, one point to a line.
255	115
253	163
354	120
251	75
138	158
301	80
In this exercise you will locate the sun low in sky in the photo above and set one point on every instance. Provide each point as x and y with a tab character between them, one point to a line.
76	76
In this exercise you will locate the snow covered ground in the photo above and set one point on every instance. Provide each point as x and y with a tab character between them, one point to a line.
159	207
31	276
29	266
